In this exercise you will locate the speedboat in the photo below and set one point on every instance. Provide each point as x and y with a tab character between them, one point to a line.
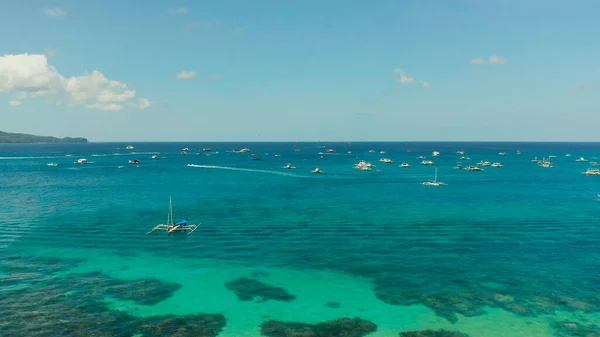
185	149
206	149
121	166
52	164
435	153
464	158
277	155
382	152
317	170
82	161
183	152
592	172
460	152
502	153
484	163
154	157
535	160
568	155
518	152
255	157
129	147
496	164
420	157
581	159
134	162
289	167
330	150
372	151
404	165
244	150
363	166
546	163
385	160
427	162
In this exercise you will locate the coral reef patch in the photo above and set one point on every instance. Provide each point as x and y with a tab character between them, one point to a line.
249	289
343	327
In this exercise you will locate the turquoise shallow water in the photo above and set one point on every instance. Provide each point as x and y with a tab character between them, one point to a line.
509	251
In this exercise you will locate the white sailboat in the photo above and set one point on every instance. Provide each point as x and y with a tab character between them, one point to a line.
435	182
171	226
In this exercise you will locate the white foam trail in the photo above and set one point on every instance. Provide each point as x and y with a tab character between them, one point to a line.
247	170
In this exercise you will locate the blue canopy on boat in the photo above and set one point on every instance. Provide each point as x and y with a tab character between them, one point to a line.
183	222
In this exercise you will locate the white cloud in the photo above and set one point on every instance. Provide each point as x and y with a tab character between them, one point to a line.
178	11
31	76
144	103
14	103
216	76
185	74
490	60
402	77
54	12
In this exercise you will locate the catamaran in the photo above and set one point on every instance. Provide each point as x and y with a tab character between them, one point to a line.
435	182
171	226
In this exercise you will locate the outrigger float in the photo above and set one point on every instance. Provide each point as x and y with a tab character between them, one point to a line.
171	226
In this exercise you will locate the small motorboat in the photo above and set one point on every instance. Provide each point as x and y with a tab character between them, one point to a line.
592	172
52	164
568	155
330	151
182	152
382	152
121	167
502	153
185	149
460	152
404	165
496	164
317	170
277	155
130	147
154	157
134	162
363	166
435	154
244	150
484	163
82	161
473	168
581	160
385	160
206	149
289	167
255	157
372	151
427	162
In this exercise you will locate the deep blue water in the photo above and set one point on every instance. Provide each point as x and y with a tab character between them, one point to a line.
521	230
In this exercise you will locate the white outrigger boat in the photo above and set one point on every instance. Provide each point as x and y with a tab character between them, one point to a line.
433	182
171	227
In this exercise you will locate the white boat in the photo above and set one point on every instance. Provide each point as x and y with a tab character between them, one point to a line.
581	160
435	154
244	150
52	164
363	166
330	151
502	153
121	166
546	163
497	164
420	157
518	152
473	168
433	182
535	160
592	172
82	161
460	152
404	165
154	157
385	160
464	158
372	151
568	155
206	149
134	162
172	227
382	152
289	167
277	155
427	162
185	149
182	152
317	170
484	163
130	147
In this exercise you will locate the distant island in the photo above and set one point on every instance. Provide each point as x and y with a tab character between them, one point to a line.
6	137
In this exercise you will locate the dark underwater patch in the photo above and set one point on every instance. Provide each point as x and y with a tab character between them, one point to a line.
574	329
248	289
73	306
343	327
334	305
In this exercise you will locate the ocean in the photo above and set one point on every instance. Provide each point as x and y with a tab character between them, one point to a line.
506	251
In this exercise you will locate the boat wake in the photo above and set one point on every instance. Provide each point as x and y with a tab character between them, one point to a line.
248	170
21	158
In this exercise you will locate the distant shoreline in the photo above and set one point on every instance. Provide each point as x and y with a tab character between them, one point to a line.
23	138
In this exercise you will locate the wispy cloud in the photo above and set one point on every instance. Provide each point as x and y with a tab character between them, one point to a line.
216	76
178	11
185	75
403	78
497	60
50	52
54	12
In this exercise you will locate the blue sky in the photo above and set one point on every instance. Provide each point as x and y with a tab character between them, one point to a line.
301	70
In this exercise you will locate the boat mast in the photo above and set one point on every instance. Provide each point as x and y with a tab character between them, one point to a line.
170	215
